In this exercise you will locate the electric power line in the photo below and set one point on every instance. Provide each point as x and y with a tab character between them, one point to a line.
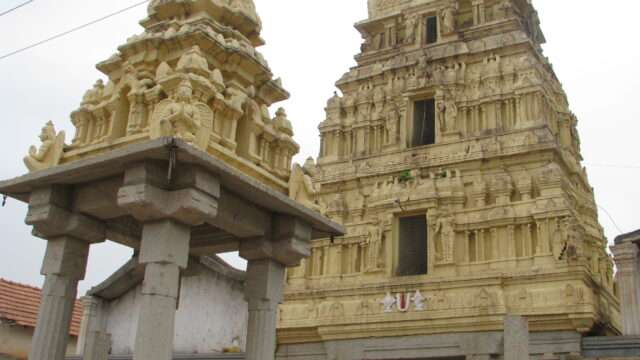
611	218
613	166
72	30
16	8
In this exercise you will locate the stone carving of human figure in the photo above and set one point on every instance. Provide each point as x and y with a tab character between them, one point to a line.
101	127
301	188
137	112
411	30
374	240
448	115
94	94
181	119
444	228
448	19
503	10
392	126
49	152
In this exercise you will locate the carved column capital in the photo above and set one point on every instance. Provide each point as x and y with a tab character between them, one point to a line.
626	256
51	218
289	243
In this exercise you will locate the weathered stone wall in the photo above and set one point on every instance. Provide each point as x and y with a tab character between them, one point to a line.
211	313
15	342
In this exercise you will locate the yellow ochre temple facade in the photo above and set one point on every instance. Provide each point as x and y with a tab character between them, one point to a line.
453	160
193	74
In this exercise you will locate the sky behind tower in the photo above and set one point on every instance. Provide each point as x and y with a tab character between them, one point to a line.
310	44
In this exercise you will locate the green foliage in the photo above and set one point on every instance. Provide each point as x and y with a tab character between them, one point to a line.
405	176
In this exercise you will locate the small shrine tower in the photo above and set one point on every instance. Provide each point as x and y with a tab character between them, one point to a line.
176	155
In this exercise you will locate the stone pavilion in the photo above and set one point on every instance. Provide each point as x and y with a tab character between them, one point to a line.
176	155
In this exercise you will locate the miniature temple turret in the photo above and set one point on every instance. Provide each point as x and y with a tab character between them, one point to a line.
451	156
195	74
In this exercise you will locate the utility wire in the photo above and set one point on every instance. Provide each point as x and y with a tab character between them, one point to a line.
72	30
614	166
16	8
611	218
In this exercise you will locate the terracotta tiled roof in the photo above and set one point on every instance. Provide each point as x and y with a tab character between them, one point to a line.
19	304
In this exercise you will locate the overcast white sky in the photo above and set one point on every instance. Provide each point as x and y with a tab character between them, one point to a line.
310	44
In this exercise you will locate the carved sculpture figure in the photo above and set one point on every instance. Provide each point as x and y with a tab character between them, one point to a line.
391	125
301	188
448	19
445	230
374	243
447	115
50	151
93	95
184	117
180	119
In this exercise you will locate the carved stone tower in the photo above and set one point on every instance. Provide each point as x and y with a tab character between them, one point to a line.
195	74
454	162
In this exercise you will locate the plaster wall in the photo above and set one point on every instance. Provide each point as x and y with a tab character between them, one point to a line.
15	341
211	313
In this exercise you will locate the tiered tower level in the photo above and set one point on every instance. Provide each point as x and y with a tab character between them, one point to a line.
194	74
454	162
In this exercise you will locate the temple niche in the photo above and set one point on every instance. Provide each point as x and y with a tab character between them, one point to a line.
452	157
218	105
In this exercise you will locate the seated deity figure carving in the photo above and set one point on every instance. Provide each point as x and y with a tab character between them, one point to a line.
184	117
301	188
50	151
93	95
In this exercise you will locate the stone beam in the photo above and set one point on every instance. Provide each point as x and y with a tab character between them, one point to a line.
49	215
68	236
289	243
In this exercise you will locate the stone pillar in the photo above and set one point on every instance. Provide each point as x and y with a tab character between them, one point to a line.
168	210
516	338
267	258
264	287
165	252
628	279
68	236
93	341
64	265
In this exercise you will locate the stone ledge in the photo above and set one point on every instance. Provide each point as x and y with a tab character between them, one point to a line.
629	237
176	357
611	347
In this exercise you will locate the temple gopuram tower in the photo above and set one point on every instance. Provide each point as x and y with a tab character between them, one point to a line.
453	160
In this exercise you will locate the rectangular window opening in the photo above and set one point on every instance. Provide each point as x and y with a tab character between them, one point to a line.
432	30
413	251
424	123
